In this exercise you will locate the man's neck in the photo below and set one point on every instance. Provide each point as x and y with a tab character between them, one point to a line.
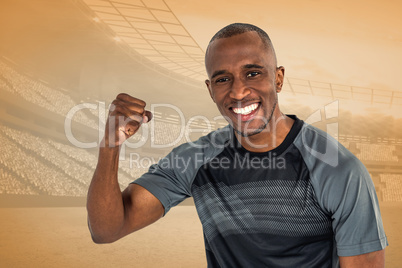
270	138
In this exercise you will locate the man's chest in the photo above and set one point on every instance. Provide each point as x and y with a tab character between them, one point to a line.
235	197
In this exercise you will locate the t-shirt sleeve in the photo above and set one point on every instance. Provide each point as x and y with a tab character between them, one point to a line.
168	180
171	178
164	185
345	191
356	217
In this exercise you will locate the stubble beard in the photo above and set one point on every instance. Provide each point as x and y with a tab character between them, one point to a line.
262	127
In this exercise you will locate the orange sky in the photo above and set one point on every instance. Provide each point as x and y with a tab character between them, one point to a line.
348	42
353	43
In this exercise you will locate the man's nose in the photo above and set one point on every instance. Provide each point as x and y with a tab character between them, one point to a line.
239	89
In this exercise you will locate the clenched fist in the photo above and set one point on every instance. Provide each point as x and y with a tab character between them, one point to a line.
126	114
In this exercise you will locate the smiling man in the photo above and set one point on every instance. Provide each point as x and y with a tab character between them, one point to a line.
270	190
244	82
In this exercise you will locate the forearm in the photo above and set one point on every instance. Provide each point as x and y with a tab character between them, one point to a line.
104	202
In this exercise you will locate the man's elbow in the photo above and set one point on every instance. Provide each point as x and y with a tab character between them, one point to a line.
100	236
97	239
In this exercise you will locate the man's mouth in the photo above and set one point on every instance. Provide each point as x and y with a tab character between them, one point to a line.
245	110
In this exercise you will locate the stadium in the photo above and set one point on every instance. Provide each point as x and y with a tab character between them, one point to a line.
63	62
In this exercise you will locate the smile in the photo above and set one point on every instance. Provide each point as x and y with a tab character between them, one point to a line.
245	110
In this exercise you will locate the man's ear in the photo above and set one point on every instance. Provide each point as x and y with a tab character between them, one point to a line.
208	83
279	76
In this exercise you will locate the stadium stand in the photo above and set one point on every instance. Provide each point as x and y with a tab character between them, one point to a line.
44	179
166	133
10	185
376	152
393	187
40	94
35	165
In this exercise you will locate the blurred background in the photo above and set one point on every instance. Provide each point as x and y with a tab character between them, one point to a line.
63	62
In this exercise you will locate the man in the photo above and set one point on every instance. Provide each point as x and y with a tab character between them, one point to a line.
270	190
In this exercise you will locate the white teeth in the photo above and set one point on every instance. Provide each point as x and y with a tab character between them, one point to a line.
245	110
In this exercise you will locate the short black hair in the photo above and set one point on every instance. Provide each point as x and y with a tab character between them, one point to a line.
239	28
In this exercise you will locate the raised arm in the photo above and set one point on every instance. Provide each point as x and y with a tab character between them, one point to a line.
113	214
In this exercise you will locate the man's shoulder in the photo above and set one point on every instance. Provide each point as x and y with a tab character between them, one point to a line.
213	141
319	148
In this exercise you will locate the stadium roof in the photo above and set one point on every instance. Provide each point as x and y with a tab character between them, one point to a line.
151	29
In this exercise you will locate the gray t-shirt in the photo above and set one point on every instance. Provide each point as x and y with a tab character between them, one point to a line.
302	204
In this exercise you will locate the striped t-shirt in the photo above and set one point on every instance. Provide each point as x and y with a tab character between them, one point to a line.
302	204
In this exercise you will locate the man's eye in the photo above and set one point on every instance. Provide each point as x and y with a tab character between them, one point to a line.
252	74
221	80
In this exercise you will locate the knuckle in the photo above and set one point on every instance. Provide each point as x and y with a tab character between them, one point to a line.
121	95
143	103
135	117
138	102
118	109
130	99
141	110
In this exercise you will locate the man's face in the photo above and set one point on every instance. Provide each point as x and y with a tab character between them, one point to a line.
243	81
